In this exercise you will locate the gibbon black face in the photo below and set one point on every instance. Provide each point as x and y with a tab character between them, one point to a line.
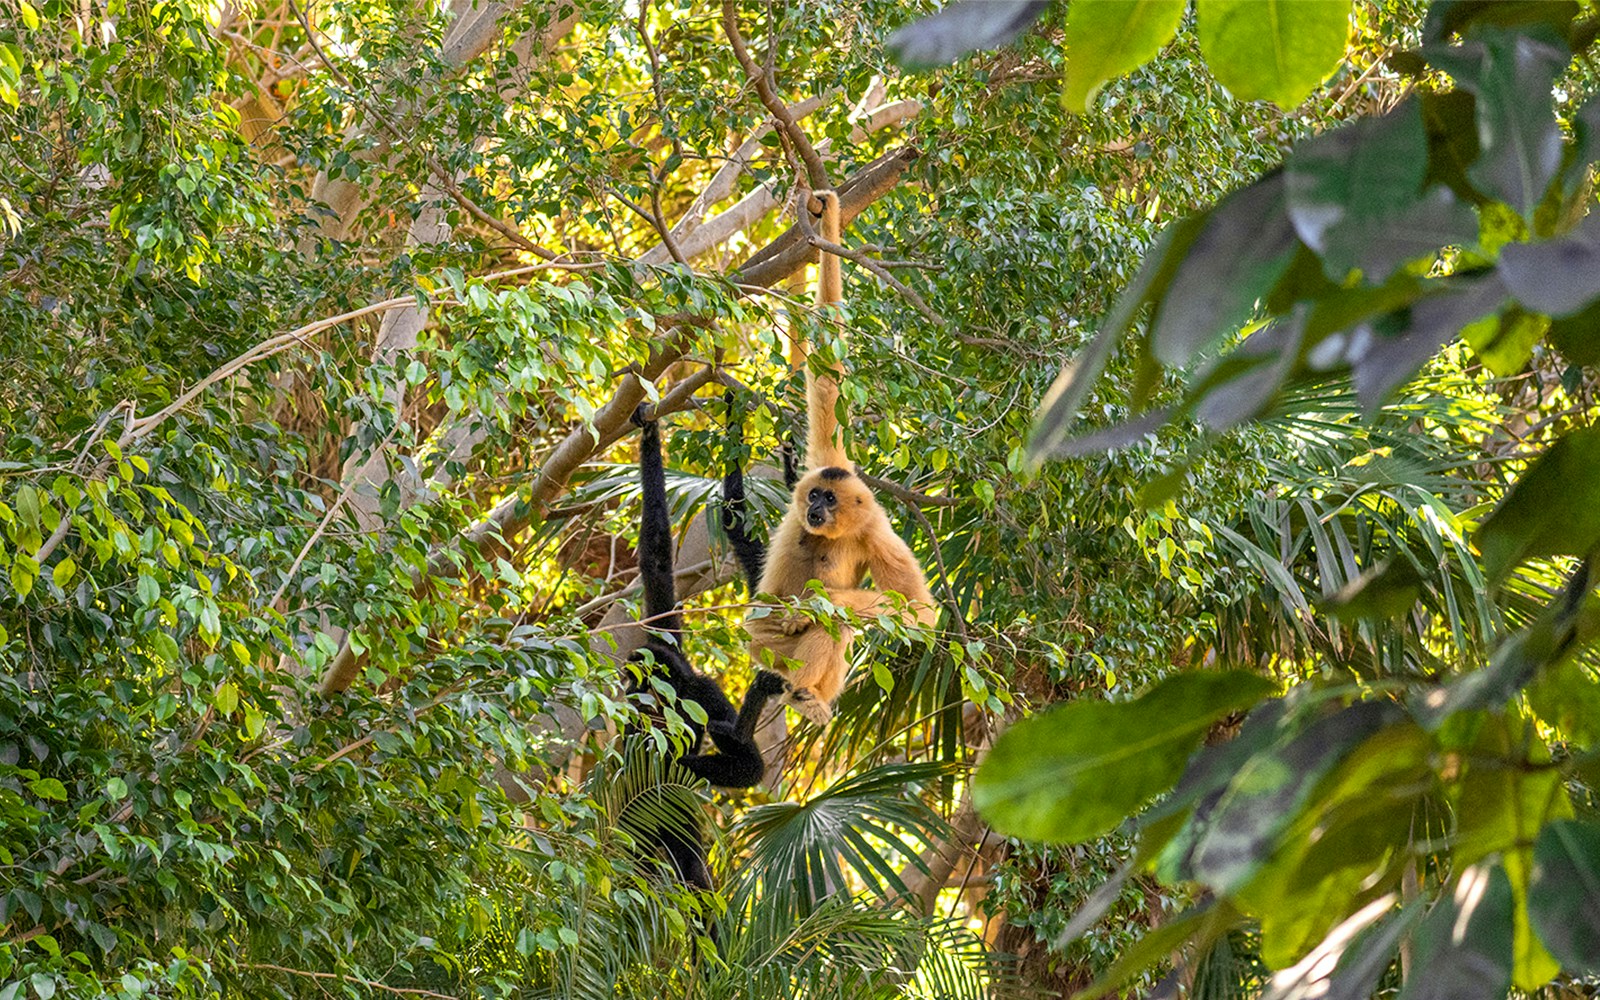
833	500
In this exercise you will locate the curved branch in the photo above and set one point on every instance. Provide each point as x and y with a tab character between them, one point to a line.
769	97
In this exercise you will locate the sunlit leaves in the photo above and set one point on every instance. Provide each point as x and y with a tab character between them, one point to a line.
1073	772
1106	38
1274	50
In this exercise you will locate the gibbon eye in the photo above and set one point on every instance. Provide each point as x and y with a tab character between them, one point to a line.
828	496
812	496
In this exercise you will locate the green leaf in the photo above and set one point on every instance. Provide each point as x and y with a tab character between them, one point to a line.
1240	831
1355	196
43	984
1463	948
1567	697
62	573
1557	277
1552	510
1202	925
1273	50
1076	771
48	788
226	698
1381	362
1106	38
23	574
1510	74
962	27
1247	245
1564	893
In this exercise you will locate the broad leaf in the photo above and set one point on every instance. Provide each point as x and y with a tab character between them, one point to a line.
1247	244
1564	893
962	27
1273	50
1263	361
1106	38
1449	17
1557	277
1241	831
1510	75
1345	186
1463	949
1382	362
1061	404
1348	963
1553	510
1074	772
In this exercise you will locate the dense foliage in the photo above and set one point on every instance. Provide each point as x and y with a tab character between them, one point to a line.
322	329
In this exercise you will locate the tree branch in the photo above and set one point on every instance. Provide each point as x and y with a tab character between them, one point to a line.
769	97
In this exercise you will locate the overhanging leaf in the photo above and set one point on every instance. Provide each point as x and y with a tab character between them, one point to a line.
1556	277
1106	38
1564	893
1510	74
1274	50
1245	248
1553	510
962	27
1074	772
1380	362
1462	950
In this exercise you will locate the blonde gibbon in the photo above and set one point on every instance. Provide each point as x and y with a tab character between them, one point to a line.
834	532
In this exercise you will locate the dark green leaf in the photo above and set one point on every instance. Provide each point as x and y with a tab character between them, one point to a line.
1106	38
1264	360
1074	772
1349	189
1387	590
1557	277
1553	510
1381	362
1202	925
1463	949
1061	404
1577	337
1129	432
1564	893
964	26
1350	960
1247	244
1451	17
1241	830
1567	697
1511	76
1274	50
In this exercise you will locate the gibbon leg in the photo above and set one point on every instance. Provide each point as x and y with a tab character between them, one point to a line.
824	665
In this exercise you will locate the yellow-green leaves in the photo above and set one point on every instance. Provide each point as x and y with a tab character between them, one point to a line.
1273	50
1106	38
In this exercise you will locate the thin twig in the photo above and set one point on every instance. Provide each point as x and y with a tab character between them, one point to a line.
769	97
906	495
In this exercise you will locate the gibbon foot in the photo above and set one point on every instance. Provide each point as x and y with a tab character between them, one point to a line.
812	708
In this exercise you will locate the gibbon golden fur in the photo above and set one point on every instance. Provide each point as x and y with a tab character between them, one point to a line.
834	532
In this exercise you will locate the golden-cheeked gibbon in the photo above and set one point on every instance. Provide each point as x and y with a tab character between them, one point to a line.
834	532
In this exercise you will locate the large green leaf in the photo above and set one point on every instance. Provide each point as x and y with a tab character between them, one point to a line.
1510	74
1564	893
1462	950
1556	277
1274	50
1348	963
1247	244
1106	38
1241	831
1553	510
1345	188
1067	394
962	27
1076	771
1381	362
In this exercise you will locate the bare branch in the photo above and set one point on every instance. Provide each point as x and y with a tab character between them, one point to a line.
907	292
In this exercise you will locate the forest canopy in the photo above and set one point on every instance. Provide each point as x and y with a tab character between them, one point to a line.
1228	367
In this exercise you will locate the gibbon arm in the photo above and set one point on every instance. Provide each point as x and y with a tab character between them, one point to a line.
895	568
655	531
824	444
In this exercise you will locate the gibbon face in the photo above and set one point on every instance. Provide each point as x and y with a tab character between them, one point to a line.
834	501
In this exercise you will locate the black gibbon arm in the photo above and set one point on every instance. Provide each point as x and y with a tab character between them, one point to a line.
738	764
751	553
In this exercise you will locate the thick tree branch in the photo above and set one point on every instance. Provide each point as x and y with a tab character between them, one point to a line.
762	79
